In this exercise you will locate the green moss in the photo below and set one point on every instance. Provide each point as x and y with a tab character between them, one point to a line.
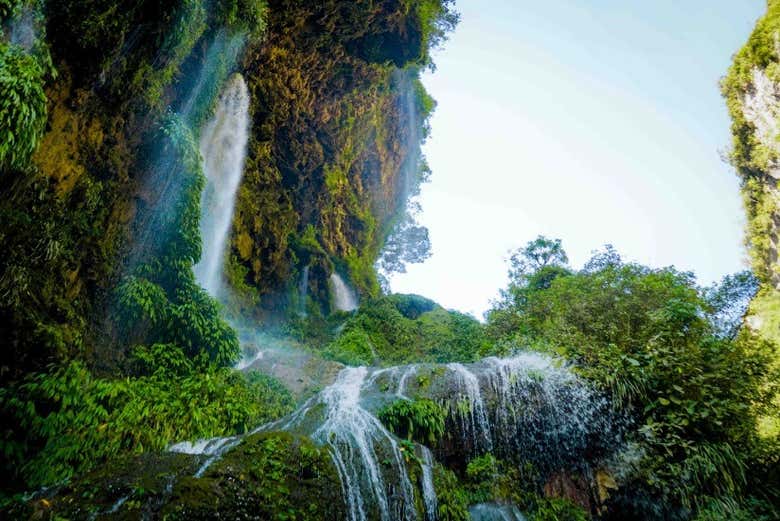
452	502
188	26
268	476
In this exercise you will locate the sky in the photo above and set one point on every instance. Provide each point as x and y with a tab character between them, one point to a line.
593	121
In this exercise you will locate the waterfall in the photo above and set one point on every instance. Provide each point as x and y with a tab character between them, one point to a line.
369	459
521	408
409	371
344	299
22	30
495	512
303	290
428	490
470	407
223	143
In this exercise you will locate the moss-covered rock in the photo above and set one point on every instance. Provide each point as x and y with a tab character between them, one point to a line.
335	152
752	92
268	476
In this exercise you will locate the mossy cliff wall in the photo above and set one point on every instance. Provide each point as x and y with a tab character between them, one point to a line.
335	148
333	155
752	92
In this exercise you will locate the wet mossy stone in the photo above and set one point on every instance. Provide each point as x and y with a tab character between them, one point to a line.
133	487
268	476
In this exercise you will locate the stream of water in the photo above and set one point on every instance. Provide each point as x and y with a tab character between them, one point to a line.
223	143
344	299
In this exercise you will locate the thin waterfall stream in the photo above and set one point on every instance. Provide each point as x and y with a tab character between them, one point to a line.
223	143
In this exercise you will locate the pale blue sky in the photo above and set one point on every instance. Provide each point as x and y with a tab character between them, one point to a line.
595	121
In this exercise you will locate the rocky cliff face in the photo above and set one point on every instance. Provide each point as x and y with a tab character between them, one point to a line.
752	92
337	118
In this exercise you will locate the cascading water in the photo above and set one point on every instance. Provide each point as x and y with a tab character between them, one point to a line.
526	407
303	290
470	407
495	512
358	442
21	29
223	143
344	299
428	490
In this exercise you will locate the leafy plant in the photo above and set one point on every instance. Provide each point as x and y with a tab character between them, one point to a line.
71	421
653	340
420	420
22	106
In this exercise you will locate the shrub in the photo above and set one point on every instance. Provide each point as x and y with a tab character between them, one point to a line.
656	343
22	106
73	421
420	420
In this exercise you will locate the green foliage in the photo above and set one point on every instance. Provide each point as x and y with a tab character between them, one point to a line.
722	509
648	338
353	347
22	106
557	509
161	303
420	420
452	501
437	19
8	8
72	421
398	329
246	15
407	244
535	256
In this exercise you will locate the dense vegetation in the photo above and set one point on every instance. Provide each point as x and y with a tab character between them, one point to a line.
398	329
659	346
339	116
750	90
111	348
112	351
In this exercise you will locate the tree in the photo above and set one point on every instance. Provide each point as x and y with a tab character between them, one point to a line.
537	254
671	356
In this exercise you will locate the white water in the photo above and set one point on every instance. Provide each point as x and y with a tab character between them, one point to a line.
409	371
303	290
470	406
358	442
223	143
344	299
495	512
429	491
21	29
524	406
